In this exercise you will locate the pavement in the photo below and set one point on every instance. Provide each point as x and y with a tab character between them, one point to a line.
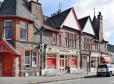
43	79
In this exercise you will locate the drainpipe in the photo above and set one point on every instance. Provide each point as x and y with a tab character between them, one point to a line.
80	48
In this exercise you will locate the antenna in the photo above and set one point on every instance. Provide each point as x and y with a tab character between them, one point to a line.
59	7
94	11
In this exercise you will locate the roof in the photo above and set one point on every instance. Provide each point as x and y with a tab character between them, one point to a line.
56	20
110	48
9	46
95	26
16	8
83	21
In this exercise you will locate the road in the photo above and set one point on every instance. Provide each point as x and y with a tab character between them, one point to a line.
89	80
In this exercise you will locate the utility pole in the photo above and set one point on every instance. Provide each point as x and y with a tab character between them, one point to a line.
42	50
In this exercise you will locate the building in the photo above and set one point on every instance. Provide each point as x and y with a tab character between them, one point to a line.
17	42
90	55
31	43
63	50
97	23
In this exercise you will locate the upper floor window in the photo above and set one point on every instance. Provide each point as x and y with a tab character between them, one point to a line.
70	40
23	30
88	43
54	38
59	39
8	29
67	39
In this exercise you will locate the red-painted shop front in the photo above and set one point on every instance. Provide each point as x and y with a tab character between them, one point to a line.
7	57
51	61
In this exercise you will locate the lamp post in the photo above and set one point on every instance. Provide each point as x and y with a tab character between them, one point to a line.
42	50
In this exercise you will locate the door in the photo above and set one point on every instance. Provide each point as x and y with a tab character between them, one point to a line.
7	65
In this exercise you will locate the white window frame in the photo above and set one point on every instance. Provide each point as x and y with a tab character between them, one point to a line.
7	28
34	65
24	27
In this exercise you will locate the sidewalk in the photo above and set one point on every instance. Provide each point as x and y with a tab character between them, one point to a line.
41	79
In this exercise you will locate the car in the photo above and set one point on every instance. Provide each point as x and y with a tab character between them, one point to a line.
105	69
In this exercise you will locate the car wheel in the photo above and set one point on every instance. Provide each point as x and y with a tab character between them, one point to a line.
98	75
110	74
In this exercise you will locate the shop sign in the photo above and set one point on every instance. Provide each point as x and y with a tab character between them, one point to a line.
62	50
84	52
95	54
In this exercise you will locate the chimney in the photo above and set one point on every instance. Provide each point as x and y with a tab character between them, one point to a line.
100	24
36	10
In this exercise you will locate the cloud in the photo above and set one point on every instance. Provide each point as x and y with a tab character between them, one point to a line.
85	7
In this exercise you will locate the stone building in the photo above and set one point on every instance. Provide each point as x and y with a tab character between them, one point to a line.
18	35
63	50
64	42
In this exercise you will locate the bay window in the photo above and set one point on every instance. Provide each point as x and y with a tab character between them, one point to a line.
23	30
8	29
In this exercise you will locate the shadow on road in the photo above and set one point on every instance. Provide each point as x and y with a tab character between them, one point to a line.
94	76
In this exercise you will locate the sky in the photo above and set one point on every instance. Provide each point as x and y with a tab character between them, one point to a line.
84	8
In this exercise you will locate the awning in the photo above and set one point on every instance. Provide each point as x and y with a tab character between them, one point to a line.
106	58
6	47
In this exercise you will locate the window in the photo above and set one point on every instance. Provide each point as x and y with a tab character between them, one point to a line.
66	39
70	40
34	58
27	57
59	39
8	29
23	30
31	58
54	38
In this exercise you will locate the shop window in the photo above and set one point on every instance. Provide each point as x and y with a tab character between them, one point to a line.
8	29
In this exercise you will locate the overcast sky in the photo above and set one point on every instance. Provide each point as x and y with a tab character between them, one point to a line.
84	8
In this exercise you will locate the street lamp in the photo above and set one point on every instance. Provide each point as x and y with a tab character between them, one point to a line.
42	49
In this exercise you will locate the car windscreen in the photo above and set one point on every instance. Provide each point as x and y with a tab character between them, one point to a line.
102	66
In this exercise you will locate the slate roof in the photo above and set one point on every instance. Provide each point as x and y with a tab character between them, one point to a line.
83	22
110	48
95	26
57	20
16	8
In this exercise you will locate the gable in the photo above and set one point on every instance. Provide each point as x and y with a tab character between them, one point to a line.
88	28
71	21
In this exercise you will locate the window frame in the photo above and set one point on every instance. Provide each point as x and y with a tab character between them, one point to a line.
8	27
23	27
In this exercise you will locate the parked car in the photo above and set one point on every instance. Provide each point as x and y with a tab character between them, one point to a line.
105	69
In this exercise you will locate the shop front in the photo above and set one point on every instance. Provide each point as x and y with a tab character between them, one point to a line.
95	60
7	59
62	59
106	58
85	60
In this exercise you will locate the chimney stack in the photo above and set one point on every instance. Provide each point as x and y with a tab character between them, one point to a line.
36	10
100	24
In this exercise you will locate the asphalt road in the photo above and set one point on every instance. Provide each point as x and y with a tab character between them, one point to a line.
88	80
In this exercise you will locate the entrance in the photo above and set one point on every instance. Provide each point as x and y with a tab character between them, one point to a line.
7	65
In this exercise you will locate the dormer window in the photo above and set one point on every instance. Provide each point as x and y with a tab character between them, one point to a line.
8	29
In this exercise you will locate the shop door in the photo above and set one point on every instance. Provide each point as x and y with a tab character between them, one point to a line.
7	65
